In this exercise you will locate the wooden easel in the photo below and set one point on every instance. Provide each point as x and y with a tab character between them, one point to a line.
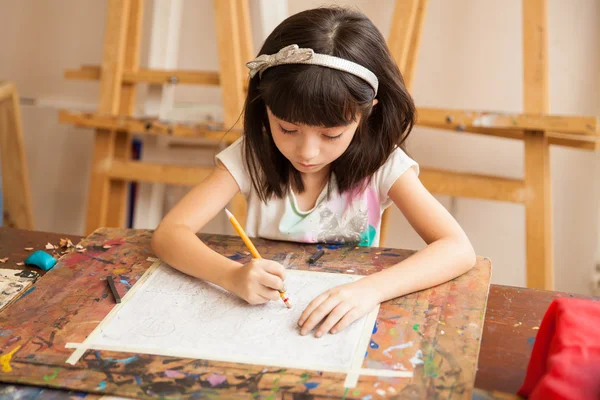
535	128
15	178
114	123
120	71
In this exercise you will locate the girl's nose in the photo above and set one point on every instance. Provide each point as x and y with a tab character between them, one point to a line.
308	148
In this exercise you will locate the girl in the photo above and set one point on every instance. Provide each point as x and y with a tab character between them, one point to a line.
325	120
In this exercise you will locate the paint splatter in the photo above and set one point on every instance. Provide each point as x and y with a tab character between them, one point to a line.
356	392
373	345
102	385
517	324
119	271
54	375
380	392
531	341
367	397
236	256
174	374
393	332
416	327
311	385
375	328
128	360
536	328
417	359
216	379
6	333
5	359
430	369
398	347
27	292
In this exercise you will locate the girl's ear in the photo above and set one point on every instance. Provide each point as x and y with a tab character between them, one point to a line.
375	101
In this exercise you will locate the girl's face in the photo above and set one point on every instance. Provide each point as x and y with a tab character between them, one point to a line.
310	149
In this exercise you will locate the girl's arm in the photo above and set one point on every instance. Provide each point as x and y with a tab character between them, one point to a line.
447	255
175	242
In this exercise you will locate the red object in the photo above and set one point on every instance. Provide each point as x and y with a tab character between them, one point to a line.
565	361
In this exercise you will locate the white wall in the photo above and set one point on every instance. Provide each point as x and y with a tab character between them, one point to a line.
470	57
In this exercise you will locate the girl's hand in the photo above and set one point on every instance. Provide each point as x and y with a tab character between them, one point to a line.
258	281
338	307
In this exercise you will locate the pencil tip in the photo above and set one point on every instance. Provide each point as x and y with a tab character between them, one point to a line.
228	213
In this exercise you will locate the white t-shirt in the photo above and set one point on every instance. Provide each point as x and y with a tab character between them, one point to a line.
337	219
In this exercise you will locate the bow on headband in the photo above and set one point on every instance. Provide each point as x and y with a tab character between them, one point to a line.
288	55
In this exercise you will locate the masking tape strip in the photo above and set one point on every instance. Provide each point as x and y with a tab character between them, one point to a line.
77	354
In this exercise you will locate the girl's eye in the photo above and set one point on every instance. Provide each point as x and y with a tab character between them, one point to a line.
333	137
283	130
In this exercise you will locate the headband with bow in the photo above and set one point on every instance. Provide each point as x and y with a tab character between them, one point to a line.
293	54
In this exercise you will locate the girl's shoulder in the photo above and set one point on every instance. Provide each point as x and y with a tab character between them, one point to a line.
397	164
232	158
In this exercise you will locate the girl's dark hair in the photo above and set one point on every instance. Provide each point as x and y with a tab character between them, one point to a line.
319	96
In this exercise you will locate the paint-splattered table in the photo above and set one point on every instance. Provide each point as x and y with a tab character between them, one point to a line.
512	313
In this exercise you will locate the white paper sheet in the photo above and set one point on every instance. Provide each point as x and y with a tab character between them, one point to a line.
174	314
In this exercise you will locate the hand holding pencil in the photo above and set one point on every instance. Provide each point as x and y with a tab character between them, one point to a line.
261	278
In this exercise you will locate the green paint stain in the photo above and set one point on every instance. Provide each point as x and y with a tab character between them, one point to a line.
416	327
345	394
255	394
50	377
356	392
430	369
304	377
271	396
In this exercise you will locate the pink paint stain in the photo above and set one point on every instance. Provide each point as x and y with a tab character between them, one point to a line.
115	242
174	374
216	379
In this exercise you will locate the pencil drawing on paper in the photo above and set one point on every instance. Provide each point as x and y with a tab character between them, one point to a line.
174	314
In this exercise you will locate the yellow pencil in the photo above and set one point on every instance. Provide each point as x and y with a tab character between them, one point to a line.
253	251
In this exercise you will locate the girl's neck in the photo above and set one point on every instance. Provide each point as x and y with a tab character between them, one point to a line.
315	181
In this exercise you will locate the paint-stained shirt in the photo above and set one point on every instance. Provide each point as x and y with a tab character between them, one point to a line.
346	218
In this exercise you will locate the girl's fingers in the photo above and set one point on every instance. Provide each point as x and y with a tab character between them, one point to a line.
274	268
311	307
349	318
269	294
318	314
272	281
333	318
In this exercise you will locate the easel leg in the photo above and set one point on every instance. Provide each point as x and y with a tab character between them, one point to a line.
404	40
538	212
97	204
15	178
232	19
117	197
